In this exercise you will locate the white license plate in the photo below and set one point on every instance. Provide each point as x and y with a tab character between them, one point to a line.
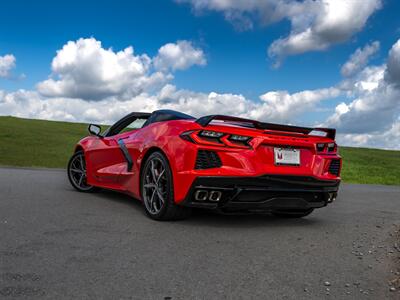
286	156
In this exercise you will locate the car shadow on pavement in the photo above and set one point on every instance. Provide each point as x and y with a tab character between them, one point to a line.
203	217
215	219
119	198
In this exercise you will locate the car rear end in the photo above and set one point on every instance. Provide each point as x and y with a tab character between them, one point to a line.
236	164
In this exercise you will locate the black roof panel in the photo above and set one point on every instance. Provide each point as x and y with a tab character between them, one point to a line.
166	115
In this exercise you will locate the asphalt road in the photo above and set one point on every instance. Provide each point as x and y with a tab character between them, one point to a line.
56	243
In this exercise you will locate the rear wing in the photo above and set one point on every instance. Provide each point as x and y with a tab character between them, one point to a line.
204	121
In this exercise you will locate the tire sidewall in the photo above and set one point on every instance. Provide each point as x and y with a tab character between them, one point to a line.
92	188
170	192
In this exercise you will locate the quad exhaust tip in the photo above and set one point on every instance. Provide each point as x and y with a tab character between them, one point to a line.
203	195
332	197
215	196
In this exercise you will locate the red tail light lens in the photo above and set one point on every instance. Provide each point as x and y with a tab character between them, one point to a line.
216	138
211	134
239	138
331	147
239	141
328	147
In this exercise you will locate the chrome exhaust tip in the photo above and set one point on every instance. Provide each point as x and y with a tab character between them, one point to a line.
332	197
215	196
201	195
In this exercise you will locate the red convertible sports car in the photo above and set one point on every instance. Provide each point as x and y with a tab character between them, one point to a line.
174	162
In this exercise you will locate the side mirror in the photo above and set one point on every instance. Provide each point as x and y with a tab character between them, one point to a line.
94	129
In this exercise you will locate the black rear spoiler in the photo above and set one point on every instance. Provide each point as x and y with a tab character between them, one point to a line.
204	121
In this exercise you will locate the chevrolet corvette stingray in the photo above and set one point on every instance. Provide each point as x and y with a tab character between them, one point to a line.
173	162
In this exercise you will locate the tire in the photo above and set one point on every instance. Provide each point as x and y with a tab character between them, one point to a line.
292	213
77	173
158	192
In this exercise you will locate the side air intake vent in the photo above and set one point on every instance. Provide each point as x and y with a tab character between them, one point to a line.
207	160
334	167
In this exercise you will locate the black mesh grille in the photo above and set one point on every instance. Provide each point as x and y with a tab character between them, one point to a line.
207	159
334	167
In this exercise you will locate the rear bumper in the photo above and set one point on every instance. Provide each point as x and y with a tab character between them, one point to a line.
266	193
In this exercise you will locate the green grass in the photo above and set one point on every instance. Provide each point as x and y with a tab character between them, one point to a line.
370	166
37	143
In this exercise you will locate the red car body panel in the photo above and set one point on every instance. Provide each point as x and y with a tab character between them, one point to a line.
107	165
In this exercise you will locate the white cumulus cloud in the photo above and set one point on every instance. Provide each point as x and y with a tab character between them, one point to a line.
375	109
389	139
393	65
279	106
179	56
315	24
83	69
7	63
359	59
326	22
282	106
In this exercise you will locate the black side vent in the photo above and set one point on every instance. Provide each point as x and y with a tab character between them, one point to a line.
334	167
207	159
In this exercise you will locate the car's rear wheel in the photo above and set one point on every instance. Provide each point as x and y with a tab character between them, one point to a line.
292	213
77	173
157	190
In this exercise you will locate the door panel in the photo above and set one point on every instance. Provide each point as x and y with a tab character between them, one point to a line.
106	159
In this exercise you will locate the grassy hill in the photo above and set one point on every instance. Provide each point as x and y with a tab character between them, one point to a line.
37	143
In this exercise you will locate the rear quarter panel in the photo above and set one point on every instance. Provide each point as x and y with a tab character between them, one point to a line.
164	137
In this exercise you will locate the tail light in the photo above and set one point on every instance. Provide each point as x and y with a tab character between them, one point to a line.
238	140
328	147
211	134
331	147
216	138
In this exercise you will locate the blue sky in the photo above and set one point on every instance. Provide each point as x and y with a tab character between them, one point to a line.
236	60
